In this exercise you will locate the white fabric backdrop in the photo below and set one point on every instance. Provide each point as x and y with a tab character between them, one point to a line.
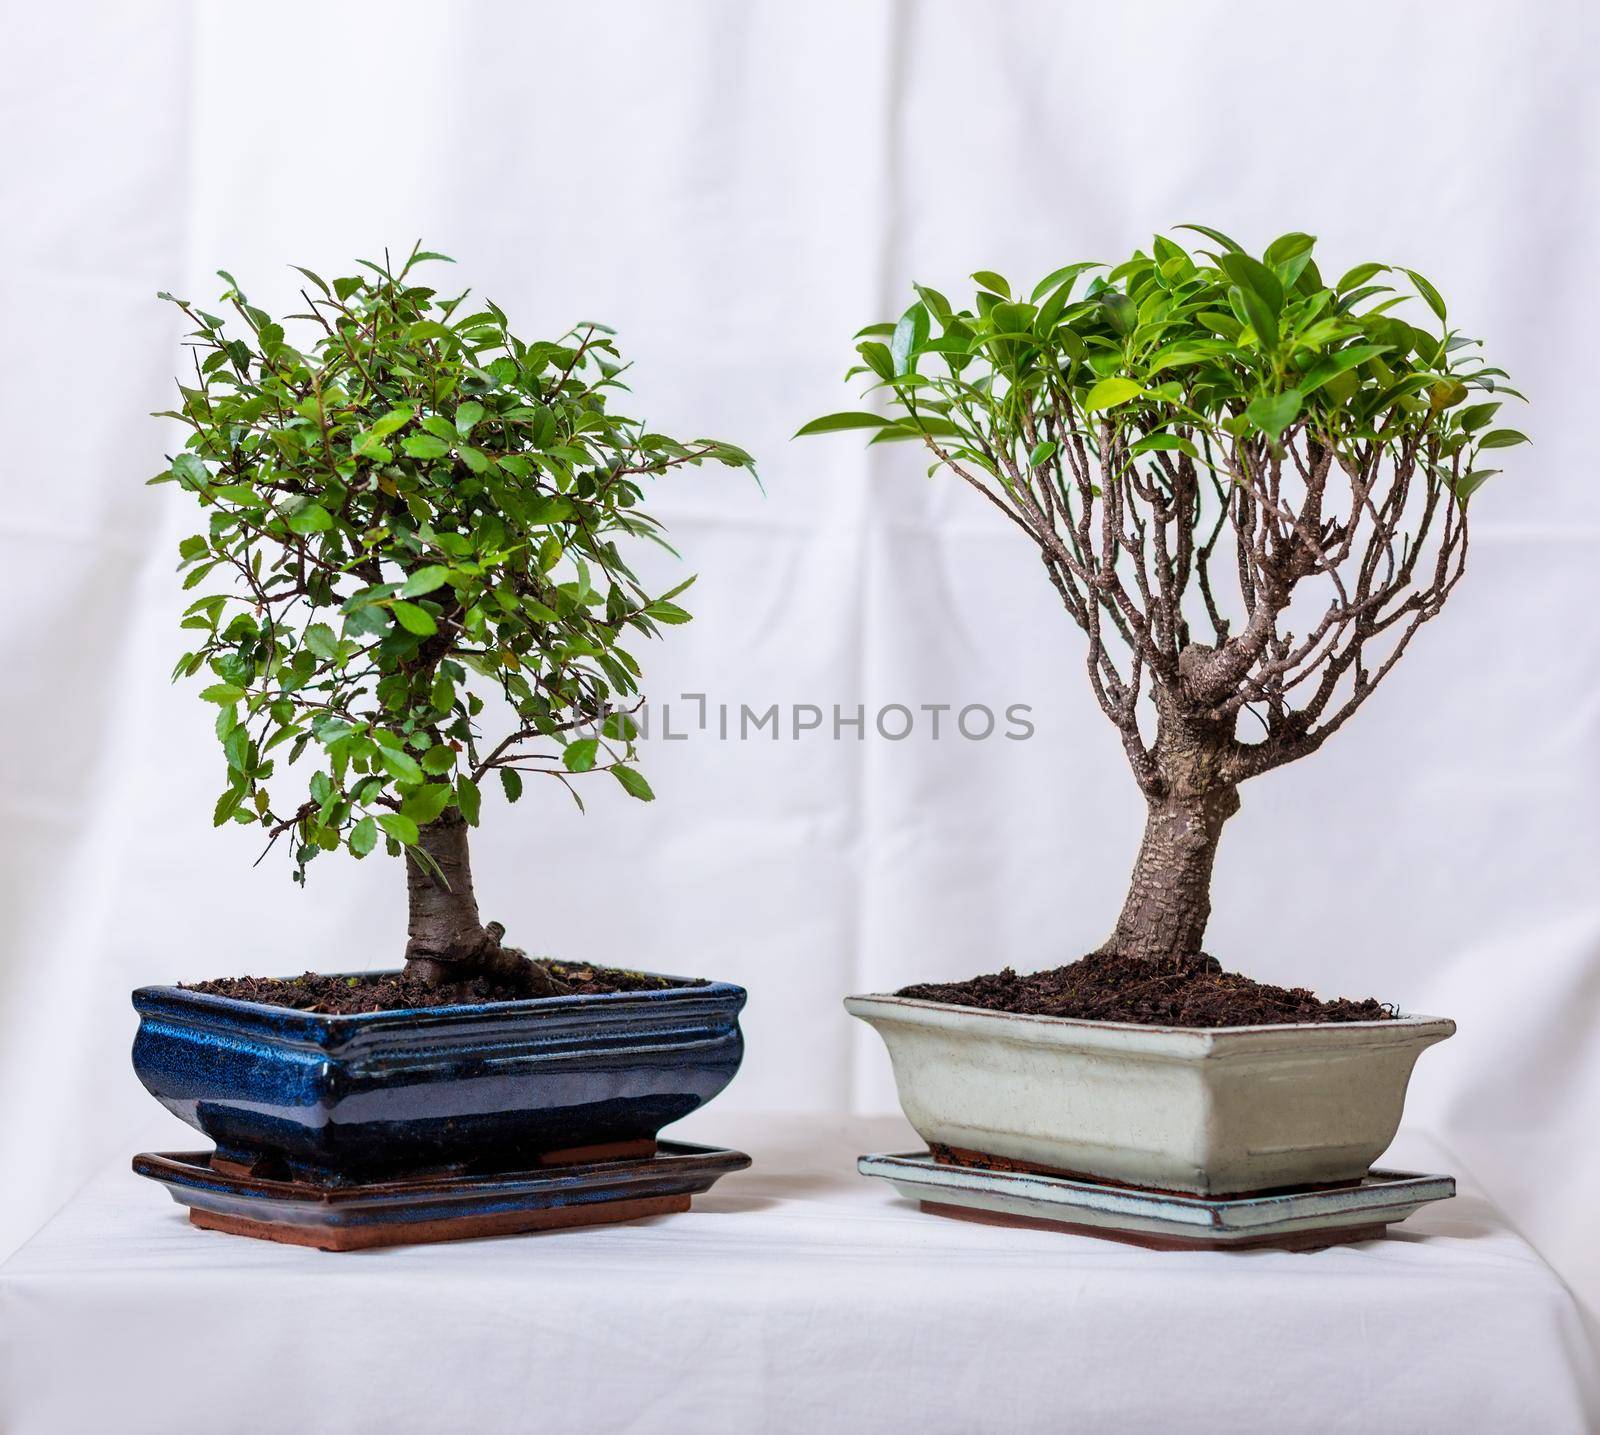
795	1297
737	188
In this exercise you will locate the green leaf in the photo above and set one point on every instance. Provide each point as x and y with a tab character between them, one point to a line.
1215	235
1042	453
414	619
910	334
1217	322
833	423
1273	413
314	278
429	329
1252	276
914	426
389	422
425	580
1121	312
619	727
512	783
1502	438
190	471
633	782
1108	393
399	765
1288	246
1469	483
1334	364
1061	278
1429	294
426	803
363	837
425	445
547	510
222	693
369	445
1355	278
399	827
878	358
241	493
313	518
438	759
579	756
1260	316
1181	355
664	612
993	282
321	639
1164	441
467	417
938	305
1047	323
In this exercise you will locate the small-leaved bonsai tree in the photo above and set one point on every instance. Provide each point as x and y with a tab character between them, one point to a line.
408	508
1248	486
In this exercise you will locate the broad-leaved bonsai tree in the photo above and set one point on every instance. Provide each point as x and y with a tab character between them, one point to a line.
1248	485
415	521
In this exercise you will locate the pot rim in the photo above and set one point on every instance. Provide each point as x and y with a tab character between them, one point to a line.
1406	1025
145	997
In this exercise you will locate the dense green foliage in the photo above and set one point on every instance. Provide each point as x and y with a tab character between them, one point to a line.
411	507
1181	354
1248	485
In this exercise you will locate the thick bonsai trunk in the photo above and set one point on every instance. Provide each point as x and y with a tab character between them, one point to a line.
448	941
1169	898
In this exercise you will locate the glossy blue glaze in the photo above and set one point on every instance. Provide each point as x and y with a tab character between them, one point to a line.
397	1093
330	1211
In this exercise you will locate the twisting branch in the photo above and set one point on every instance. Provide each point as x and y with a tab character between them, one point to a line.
1180	406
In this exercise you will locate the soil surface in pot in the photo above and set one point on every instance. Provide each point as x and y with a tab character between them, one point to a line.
1190	991
344	996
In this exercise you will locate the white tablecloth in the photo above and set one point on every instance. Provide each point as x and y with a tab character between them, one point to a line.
795	1296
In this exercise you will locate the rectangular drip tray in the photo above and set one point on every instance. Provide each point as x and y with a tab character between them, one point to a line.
439	1208
1288	1220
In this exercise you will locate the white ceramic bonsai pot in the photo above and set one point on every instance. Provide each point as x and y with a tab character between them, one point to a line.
1206	1111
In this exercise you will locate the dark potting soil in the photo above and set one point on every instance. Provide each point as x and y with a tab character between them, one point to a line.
343	996
1186	991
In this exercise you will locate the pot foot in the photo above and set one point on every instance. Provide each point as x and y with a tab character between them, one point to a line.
607	1151
961	1156
454	1228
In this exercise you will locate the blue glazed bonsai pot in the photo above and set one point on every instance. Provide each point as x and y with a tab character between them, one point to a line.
391	1094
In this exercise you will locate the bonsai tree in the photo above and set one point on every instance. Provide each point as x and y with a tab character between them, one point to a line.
1248	486
410	511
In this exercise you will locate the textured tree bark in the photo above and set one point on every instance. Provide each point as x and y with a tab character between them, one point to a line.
447	940
1169	898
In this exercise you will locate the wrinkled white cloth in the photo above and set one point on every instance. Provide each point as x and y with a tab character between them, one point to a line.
796	1296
